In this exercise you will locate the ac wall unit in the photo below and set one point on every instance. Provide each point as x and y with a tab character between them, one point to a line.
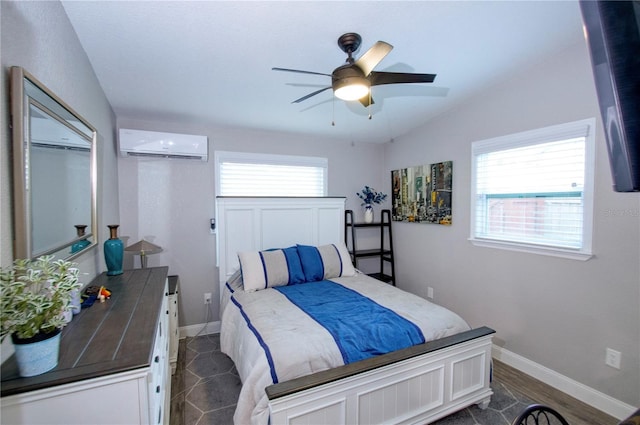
166	145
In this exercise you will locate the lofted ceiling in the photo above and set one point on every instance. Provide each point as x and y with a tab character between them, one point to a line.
209	62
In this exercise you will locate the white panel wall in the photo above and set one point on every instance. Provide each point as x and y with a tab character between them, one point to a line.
255	224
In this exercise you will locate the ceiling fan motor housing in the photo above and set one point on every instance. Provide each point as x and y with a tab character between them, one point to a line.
346	75
349	82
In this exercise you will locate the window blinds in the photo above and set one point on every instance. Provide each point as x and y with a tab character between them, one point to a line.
271	175
530	188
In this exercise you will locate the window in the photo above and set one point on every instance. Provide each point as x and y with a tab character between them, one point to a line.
533	191
251	174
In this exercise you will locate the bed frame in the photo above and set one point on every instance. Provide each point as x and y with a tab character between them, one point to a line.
416	385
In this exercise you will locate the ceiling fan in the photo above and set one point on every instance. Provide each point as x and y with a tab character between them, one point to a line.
353	80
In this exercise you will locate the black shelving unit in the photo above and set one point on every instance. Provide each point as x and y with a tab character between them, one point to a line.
384	250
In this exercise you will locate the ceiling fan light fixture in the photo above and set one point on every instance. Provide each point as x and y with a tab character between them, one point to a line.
351	88
354	79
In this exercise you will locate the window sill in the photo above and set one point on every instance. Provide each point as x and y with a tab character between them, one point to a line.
533	249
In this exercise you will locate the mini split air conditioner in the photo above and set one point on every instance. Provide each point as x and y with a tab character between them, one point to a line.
166	145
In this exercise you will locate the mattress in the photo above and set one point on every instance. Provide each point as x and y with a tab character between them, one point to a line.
271	336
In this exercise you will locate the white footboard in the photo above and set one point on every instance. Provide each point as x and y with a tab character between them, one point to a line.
432	381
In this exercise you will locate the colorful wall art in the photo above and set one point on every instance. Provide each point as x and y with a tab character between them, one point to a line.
422	194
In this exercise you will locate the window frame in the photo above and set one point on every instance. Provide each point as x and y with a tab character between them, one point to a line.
274	159
582	128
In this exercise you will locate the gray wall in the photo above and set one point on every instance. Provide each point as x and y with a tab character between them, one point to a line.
557	312
38	37
170	202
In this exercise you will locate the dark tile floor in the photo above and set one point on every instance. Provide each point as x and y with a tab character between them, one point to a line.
205	388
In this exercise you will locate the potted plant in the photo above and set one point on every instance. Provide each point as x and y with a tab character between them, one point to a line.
34	296
369	196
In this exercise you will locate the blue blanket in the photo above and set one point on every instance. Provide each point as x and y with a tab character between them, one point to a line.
360	327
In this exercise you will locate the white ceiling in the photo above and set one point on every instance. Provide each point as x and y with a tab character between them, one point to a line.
210	62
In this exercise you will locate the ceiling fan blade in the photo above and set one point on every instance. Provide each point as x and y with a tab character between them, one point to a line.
380	78
366	101
310	95
299	71
373	56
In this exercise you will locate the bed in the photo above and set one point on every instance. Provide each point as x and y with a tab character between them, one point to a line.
300	364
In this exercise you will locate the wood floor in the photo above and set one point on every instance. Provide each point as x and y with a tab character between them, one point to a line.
574	411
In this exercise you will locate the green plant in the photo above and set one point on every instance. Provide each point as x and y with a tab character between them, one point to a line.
370	196
34	294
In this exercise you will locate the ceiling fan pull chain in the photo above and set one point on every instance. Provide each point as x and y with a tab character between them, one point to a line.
369	107
333	111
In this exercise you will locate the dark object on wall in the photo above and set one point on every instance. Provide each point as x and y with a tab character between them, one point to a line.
613	34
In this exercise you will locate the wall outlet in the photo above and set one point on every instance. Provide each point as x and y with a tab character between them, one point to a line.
613	358
207	298
430	292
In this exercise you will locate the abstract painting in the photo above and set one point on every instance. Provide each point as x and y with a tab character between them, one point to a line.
422	194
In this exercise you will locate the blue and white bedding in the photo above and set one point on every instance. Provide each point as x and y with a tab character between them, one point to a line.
284	332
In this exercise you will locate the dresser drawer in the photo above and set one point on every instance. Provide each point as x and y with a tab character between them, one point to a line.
174	331
158	374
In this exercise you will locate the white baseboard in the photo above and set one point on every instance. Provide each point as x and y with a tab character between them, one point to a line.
588	395
200	329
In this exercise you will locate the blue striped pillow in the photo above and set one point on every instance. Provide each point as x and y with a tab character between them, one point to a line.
274	267
325	261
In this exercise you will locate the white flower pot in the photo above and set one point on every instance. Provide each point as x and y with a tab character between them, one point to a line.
35	358
368	214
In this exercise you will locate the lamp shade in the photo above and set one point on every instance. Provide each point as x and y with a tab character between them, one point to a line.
143	248
352	90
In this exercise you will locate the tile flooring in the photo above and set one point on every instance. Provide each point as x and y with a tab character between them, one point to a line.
205	388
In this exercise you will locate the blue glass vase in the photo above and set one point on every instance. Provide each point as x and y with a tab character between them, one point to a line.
82	243
113	252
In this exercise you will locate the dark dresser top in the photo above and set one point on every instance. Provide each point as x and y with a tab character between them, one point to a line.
110	337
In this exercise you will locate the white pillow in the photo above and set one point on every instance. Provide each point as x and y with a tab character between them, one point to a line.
265	269
325	261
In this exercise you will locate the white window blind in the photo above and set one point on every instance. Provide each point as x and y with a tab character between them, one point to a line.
246	174
533	191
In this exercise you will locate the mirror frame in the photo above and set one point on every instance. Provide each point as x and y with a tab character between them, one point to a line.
22	203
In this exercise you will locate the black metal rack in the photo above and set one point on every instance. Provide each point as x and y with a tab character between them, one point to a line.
384	250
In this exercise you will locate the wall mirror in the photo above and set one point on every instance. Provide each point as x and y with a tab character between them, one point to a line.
54	172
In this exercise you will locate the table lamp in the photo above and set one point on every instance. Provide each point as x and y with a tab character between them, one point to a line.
143	248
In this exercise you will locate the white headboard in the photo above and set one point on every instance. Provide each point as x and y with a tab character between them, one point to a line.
253	224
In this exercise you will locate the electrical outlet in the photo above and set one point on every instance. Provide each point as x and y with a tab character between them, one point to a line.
207	298
430	292
613	358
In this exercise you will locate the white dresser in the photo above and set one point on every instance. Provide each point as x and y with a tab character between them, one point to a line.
114	361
